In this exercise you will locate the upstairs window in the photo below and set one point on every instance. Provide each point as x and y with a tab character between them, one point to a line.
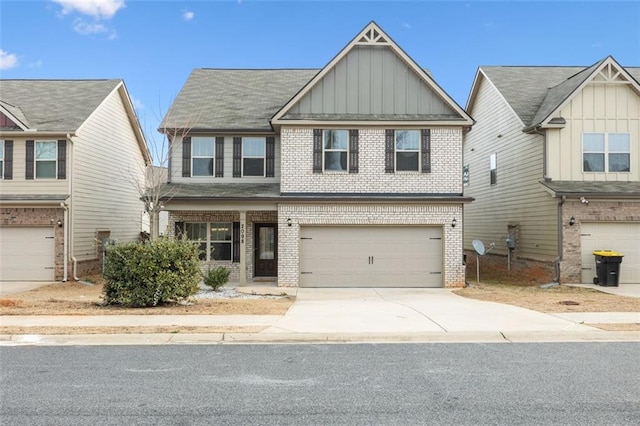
202	156
407	144
493	169
336	148
1	159
465	175
606	152
253	156
45	159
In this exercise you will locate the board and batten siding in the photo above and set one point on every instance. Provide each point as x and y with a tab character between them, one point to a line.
19	185
517	198
176	164
371	80
106	161
599	107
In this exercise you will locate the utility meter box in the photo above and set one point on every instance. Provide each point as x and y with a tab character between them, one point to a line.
511	242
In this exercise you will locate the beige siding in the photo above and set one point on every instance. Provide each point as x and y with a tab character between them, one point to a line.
19	185
176	166
107	161
517	198
599	107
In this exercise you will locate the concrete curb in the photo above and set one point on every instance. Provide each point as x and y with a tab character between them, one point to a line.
316	338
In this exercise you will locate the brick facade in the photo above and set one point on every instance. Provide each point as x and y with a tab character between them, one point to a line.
298	176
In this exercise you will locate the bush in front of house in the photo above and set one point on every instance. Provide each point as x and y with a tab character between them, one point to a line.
216	277
151	273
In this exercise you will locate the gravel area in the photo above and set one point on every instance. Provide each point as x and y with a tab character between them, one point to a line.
230	293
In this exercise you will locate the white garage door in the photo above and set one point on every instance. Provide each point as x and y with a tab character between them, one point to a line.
621	237
27	253
366	256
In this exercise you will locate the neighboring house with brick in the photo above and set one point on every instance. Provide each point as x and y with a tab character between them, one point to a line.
553	162
69	153
345	176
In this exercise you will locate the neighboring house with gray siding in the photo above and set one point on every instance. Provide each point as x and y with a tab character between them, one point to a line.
345	176
69	153
553	162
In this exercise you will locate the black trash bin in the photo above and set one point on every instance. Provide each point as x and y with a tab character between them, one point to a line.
607	267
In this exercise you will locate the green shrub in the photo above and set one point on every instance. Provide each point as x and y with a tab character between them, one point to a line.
151	273
216	277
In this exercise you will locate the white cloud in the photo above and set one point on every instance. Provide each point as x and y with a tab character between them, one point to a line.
406	25
82	27
99	9
137	103
188	15
8	60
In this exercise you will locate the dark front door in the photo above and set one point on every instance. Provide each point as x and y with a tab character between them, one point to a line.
266	250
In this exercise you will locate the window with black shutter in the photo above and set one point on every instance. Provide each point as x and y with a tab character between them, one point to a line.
426	150
236	242
62	159
7	160
237	157
29	160
186	157
389	151
271	156
219	156
317	150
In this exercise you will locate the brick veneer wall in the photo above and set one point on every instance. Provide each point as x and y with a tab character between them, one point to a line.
595	211
368	214
445	176
195	216
36	216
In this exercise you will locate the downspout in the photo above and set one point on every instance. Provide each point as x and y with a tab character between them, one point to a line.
65	242
71	171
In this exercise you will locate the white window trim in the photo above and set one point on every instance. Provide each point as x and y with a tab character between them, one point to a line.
396	150
212	157
35	160
209	242
493	167
264	157
2	160
606	151
346	150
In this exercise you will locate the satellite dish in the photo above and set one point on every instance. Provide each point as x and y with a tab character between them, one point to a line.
478	246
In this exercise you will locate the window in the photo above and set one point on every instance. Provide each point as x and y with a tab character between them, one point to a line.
407	144
202	156
465	175
493	168
606	152
45	158
335	146
1	159
253	156
215	239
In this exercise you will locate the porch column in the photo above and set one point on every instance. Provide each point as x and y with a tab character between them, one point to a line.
243	248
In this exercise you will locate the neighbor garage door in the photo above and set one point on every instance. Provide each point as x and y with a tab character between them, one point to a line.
26	253
364	256
622	237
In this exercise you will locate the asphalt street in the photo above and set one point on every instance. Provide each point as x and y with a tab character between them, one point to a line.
510	384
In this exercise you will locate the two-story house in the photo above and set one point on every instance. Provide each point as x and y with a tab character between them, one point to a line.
553	163
71	152
345	176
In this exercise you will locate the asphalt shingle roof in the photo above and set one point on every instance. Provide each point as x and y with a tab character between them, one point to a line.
610	189
232	99
54	105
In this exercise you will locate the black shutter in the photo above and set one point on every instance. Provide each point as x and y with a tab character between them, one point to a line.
62	159
237	157
389	151
317	150
28	170
236	242
220	156
271	156
353	151
426	150
186	157
178	229
8	160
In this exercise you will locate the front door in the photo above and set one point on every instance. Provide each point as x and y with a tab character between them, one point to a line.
266	250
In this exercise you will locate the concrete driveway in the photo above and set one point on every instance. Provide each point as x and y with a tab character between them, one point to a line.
11	287
386	310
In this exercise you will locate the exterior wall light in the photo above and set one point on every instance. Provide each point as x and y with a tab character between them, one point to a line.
454	222
288	221
572	221
59	223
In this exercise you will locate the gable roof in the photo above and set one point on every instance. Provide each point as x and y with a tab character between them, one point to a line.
233	99
535	93
373	36
53	105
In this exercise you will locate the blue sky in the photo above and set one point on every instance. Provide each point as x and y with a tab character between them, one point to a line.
154	45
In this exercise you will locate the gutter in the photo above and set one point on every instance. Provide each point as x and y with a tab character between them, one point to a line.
544	151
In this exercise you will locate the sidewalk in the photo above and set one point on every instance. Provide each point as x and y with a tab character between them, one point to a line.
350	315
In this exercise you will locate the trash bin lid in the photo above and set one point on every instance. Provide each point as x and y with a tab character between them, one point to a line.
607	253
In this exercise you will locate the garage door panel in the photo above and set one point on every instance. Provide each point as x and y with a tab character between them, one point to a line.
621	237
381	256
27	254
